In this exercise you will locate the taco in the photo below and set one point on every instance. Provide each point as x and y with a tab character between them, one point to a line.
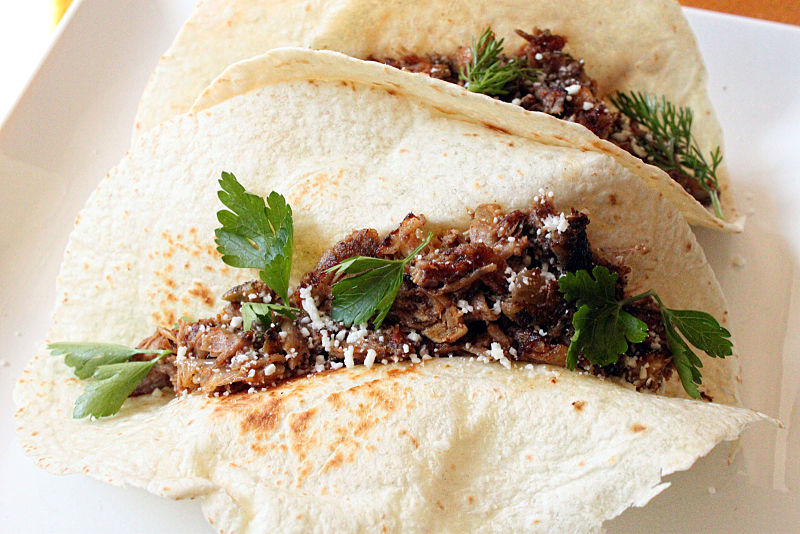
441	444
629	72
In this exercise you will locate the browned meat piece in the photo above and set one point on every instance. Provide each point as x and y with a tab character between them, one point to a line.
562	88
532	347
503	232
404	239
252	291
434	66
445	270
566	240
533	300
542	41
358	243
414	308
449	326
163	372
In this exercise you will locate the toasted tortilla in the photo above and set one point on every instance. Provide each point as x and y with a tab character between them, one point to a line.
634	45
450	444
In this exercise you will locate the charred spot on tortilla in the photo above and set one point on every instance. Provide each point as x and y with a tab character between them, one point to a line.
541	76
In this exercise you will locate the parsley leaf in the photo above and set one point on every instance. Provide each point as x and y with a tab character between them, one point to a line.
602	328
687	363
372	291
108	364
85	358
255	234
111	386
487	73
701	330
264	313
670	144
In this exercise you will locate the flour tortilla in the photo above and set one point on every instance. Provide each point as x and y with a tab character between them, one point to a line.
642	45
448	445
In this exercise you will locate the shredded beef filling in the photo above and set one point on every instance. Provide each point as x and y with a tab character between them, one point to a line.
490	292
560	88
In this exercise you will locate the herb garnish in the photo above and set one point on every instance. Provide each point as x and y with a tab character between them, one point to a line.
670	144
255	234
115	377
603	329
264	313
373	290
487	73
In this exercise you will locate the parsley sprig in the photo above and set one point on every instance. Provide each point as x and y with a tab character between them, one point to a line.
255	234
373	289
114	376
603	329
671	145
487	72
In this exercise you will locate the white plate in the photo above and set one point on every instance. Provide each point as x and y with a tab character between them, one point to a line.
73	123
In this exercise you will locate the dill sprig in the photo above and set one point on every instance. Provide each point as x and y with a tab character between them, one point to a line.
488	73
670	144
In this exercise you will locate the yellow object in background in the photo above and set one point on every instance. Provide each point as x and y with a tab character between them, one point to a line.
59	7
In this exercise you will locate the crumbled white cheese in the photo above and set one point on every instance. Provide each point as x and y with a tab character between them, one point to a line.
405	348
511	278
415	358
587	106
538	56
251	374
305	331
181	355
270	369
573	89
310	306
326	340
357	333
496	352
369	359
336	365
464	306
413	336
348	356
555	222
516	101
236	322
